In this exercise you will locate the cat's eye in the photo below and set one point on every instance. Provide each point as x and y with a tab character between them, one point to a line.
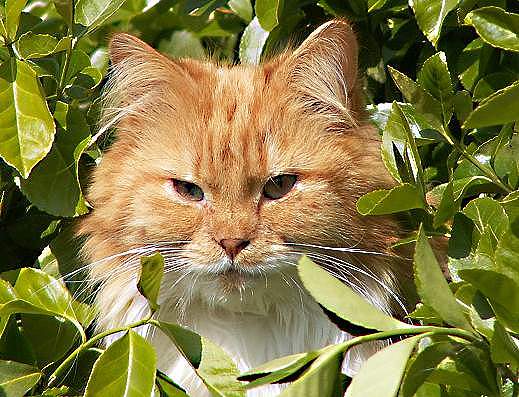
188	190
278	186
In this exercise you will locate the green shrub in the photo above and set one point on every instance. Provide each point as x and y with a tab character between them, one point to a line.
447	109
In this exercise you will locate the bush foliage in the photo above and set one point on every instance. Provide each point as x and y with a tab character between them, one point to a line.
442	85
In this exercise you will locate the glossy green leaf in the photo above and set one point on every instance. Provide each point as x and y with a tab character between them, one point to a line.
447	207
342	300
26	125
435	78
401	198
53	186
214	367
93	13
126	369
496	26
375	4
475	61
321	378
499	108
506	162
432	286
152	269
17	378
269	13
381	374
13	10
252	42
31	45
430	15
416	95
42	291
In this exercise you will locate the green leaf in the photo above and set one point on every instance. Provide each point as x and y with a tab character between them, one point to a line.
126	369
462	105
182	44
506	162
242	8
375	4
42	291
475	61
152	270
342	301
423	364
499	108
65	9
13	10
491	83
269	13
17	378
252	42
503	347
435	78
399	150
31	45
278	369
429	107
432	286
53	186
447	207
168	388
321	378
26	125
430	15
214	367
496	27
487	213
381	374
92	13
401	198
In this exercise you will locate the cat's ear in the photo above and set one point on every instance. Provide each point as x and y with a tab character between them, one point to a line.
323	69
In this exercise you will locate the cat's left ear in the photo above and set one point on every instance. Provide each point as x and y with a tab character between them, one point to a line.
324	69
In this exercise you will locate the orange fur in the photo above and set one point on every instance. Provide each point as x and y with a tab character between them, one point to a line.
228	130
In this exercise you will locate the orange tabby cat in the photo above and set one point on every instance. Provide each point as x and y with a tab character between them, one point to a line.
231	172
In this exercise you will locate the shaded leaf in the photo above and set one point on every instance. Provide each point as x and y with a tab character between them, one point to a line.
152	270
433	287
17	378
214	367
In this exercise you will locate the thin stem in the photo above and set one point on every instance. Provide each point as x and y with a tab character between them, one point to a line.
425	330
66	363
61	84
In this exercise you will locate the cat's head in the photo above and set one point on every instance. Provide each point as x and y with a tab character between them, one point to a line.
230	170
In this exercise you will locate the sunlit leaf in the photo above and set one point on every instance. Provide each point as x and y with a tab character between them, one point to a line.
26	125
496	26
381	374
31	45
252	42
92	13
430	15
343	301
126	369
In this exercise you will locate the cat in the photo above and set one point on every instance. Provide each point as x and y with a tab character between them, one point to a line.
231	173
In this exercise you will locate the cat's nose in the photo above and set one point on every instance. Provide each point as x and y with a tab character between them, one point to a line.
233	246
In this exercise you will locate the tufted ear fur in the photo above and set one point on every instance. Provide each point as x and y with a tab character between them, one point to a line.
323	71
142	83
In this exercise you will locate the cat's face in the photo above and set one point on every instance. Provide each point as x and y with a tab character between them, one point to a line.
230	170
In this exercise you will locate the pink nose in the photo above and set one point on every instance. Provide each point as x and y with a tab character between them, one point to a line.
233	246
